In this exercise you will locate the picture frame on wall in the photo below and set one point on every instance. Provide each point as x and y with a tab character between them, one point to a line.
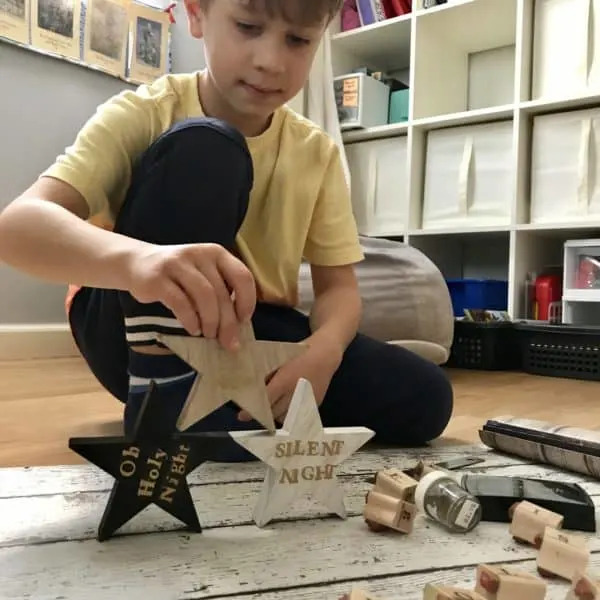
106	35
56	27
14	20
150	43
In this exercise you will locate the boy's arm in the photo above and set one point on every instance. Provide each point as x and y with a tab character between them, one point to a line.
44	233
335	315
332	249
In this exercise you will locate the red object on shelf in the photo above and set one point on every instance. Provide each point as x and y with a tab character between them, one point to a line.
588	273
396	8
548	290
403	6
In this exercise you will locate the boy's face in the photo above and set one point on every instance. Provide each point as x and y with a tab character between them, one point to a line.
256	62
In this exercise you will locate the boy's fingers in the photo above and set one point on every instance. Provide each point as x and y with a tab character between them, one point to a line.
182	307
201	290
228	330
241	283
280	407
278	386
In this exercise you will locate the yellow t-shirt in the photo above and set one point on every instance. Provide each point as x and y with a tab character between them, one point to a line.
299	206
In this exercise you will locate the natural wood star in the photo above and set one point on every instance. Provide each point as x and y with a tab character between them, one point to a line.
224	375
301	457
150	466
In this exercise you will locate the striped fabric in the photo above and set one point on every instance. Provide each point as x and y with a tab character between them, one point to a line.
143	330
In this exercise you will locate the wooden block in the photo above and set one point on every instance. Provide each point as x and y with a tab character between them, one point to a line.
224	375
528	522
389	512
423	469
584	587
396	483
301	457
562	554
496	582
434	591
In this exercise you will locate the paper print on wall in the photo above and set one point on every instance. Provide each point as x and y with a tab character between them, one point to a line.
55	27
106	35
150	43
14	20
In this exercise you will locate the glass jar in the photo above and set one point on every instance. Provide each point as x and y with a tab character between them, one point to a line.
442	499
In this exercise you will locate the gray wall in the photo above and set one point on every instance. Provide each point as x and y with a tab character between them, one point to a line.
44	102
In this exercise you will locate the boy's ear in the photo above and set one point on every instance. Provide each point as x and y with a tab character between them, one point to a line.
194	14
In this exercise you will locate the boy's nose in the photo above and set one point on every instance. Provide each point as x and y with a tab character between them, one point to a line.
270	57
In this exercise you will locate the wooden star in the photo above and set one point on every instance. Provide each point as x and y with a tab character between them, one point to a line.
301	457
149	467
224	375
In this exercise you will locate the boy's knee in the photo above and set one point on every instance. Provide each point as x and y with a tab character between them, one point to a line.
191	185
427	405
440	403
204	144
202	133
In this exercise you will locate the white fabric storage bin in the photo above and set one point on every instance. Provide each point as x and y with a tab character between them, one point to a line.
379	185
566	52
565	169
469	176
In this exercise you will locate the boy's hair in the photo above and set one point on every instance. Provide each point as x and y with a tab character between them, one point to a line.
301	12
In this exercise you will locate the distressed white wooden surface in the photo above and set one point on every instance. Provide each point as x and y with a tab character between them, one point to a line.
26	481
48	549
406	587
59	517
237	559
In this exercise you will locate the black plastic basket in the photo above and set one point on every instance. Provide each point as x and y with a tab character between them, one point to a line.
487	346
560	350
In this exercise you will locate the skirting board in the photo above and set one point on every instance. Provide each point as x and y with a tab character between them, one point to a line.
43	340
54	340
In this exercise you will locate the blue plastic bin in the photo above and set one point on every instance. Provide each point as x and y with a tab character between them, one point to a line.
484	294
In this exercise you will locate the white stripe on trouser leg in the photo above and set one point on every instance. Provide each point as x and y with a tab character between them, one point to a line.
142	336
150	321
136	381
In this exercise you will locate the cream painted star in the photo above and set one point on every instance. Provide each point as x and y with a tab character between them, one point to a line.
301	457
224	375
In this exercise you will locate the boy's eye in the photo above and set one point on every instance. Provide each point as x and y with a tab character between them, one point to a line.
247	27
300	41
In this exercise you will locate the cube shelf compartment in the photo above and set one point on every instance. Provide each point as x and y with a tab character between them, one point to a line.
560	68
464	58
497	165
468	176
581	282
565	154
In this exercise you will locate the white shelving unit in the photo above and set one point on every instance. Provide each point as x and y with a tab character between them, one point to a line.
499	163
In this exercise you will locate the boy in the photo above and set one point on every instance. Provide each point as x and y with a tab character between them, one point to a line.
216	190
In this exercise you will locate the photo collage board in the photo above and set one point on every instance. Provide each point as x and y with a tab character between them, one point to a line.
124	38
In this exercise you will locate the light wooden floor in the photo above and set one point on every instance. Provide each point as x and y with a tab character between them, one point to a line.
43	403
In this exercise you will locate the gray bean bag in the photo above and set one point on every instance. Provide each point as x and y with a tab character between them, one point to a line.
405	298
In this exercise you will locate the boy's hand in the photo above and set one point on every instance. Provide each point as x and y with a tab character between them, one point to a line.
209	290
317	364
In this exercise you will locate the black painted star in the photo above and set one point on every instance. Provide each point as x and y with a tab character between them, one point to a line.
150	467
